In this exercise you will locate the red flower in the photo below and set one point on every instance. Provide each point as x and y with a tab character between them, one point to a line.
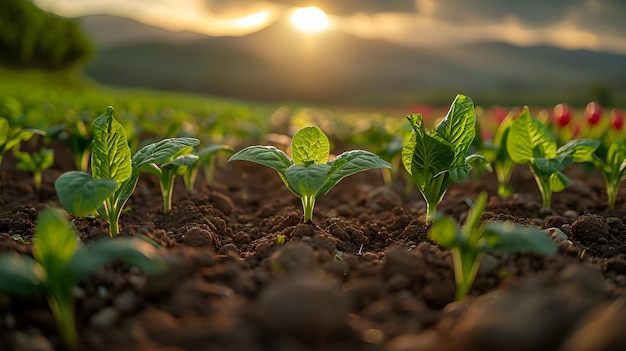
562	115
617	119
593	112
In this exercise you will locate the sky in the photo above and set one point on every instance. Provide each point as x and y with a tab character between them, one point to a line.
596	25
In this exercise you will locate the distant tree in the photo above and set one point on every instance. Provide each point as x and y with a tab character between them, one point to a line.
30	37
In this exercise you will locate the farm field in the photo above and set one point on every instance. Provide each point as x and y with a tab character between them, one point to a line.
240	269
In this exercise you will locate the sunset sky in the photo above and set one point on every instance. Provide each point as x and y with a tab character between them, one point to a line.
597	25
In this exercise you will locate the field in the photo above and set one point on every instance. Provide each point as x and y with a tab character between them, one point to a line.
244	271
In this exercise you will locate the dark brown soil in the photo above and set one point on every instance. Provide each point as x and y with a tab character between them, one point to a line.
363	276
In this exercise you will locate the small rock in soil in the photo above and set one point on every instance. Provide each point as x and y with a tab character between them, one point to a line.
198	237
589	228
106	317
25	342
557	234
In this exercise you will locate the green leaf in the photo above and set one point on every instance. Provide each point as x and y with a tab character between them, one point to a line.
80	194
306	180
132	251
110	153
558	181
430	158
459	127
505	237
310	146
580	149
55	243
179	164
206	153
268	156
445	232
4	130
162	151
20	274
616	156
552	165
529	138
349	163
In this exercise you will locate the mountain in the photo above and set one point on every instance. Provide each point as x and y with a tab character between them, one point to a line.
279	63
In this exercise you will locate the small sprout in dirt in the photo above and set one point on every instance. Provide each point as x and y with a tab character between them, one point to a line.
499	156
60	262
280	240
468	244
35	162
76	136
167	171
530	141
12	137
205	160
438	158
114	173
310	174
611	163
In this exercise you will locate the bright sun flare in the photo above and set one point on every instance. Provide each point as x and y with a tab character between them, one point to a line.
309	19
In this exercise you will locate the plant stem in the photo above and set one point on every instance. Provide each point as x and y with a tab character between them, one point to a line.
37	175
612	190
62	306
308	202
465	269
166	190
543	183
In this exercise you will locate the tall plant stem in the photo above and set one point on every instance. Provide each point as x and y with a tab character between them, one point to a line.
308	203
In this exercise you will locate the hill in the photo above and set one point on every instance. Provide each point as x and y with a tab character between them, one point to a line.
279	63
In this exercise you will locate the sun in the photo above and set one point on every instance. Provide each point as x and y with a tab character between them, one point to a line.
309	19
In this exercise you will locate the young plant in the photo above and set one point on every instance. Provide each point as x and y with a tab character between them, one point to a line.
77	136
167	171
114	174
36	163
310	174
60	262
468	244
205	160
438	158
611	163
530	141
11	137
497	153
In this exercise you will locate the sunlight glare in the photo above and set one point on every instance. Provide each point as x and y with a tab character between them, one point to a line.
309	19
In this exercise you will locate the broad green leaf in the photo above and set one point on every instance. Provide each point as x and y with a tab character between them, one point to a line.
445	232
505	237
268	156
616	156
80	194
20	274
310	146
409	142
580	149
110	153
529	138
306	180
349	163
430	158
459	127
132	251
55	243
162	151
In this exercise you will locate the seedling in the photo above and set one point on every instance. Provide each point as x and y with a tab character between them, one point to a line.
205	160
36	163
310	174
77	136
438	158
114	173
166	172
60	262
611	163
530	141
500	158
468	244
12	137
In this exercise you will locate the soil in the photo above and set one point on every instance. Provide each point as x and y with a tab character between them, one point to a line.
362	276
